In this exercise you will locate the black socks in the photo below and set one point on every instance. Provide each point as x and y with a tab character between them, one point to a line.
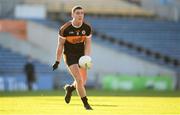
86	104
84	100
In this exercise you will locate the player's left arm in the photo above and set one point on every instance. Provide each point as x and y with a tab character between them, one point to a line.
88	40
88	45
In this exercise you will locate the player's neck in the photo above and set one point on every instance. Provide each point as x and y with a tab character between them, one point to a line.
76	24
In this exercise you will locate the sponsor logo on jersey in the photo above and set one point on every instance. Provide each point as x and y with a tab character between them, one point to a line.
71	32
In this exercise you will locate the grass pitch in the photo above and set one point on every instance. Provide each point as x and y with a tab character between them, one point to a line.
103	103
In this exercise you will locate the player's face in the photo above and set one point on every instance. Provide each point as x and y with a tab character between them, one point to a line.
78	15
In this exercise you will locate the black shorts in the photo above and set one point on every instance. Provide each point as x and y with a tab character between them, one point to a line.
71	59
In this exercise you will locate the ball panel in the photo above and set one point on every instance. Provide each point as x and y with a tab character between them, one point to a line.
85	62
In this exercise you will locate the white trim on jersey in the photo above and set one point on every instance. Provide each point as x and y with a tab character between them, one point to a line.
89	36
76	26
62	37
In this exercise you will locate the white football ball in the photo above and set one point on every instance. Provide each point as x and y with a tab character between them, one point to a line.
85	62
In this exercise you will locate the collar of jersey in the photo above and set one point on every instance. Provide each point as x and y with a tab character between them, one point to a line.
75	26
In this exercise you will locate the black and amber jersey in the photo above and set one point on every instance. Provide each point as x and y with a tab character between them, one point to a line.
75	37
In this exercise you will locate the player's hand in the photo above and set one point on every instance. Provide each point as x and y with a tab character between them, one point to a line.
55	66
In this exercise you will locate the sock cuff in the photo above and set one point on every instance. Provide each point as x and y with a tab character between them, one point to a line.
84	98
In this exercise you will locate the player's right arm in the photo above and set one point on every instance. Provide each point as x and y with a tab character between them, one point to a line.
59	52
60	48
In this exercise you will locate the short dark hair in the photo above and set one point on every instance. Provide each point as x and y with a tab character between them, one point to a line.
76	8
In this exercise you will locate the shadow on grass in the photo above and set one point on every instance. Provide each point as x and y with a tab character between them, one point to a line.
102	105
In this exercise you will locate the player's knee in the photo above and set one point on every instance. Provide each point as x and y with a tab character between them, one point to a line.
79	81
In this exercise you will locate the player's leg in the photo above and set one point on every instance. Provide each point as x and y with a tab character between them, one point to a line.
70	88
73	60
69	60
78	80
83	73
79	84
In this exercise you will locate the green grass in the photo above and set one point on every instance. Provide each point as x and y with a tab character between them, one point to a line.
92	92
103	103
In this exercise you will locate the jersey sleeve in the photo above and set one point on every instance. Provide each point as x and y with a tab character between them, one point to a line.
89	31
62	33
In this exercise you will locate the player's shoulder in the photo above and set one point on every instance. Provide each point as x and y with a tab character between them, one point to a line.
87	24
65	25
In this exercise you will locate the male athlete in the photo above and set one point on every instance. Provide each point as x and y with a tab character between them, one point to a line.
75	40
